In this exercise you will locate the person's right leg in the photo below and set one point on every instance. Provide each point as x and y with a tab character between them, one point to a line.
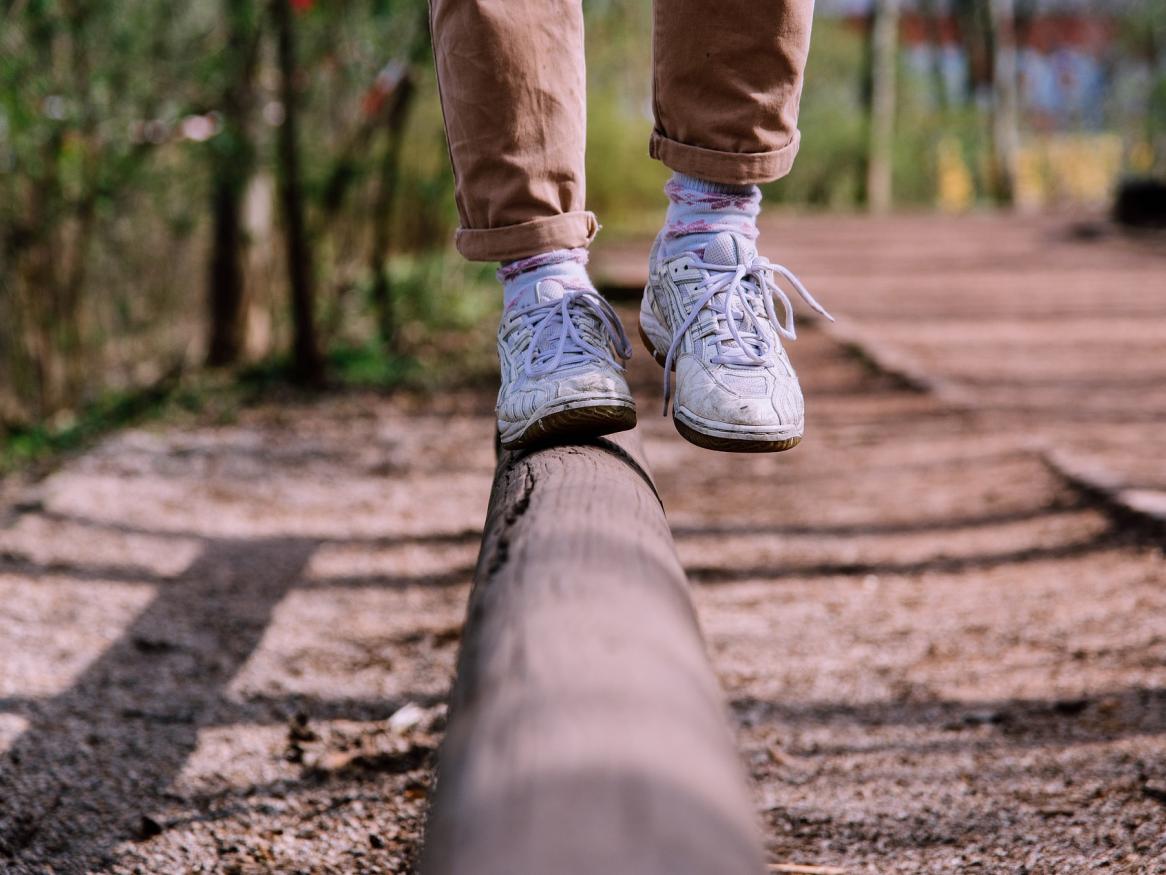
726	88
513	94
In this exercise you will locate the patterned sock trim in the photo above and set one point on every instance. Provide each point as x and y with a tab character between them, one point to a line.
512	269
672	230
739	201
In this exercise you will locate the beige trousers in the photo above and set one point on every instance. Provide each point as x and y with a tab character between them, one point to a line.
727	79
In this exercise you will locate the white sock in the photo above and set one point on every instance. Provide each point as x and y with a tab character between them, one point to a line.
698	210
520	278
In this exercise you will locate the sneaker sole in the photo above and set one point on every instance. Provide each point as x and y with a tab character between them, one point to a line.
732	445
574	424
708	440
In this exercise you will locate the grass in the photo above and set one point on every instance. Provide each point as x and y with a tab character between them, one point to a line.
24	446
200	397
436	360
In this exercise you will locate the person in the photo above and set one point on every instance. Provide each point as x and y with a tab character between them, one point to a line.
727	80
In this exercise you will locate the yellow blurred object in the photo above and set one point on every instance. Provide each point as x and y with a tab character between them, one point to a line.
1068	168
1142	157
1031	172
956	190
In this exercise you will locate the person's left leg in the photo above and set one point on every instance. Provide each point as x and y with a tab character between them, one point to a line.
512	86
726	90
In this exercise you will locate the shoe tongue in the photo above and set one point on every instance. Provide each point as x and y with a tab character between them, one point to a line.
729	249
549	290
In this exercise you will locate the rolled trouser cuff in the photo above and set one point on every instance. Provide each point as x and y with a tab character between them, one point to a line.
731	168
573	230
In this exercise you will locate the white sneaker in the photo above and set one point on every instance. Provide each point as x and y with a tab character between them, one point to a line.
560	377
712	320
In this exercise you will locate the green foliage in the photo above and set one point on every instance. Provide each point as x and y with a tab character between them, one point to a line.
22	445
1138	108
441	288
89	93
446	304
425	215
831	162
624	185
370	366
448	309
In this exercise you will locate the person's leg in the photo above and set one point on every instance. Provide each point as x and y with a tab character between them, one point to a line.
727	84
727	81
513	93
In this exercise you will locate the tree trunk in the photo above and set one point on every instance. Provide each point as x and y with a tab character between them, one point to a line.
307	363
226	290
383	212
1005	102
232	163
883	60
932	18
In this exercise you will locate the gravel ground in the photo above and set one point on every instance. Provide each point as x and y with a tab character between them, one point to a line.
227	648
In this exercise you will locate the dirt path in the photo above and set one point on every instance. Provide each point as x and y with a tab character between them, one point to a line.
939	658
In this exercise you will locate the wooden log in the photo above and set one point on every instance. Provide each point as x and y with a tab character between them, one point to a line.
587	731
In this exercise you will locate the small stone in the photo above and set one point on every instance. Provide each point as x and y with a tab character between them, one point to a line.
1155	790
407	717
146	828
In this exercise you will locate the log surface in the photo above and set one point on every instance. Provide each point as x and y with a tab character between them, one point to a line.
587	732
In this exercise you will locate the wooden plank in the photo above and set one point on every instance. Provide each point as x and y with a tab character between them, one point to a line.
587	731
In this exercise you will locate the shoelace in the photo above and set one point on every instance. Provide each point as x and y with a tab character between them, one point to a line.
575	345
742	285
